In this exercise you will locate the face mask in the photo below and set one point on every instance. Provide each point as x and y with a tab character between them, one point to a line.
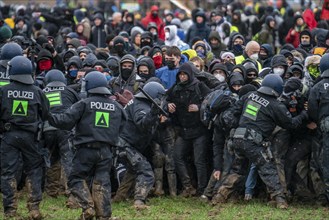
45	65
200	54
305	43
73	73
237	48
125	73
108	77
278	71
119	48
167	35
262	57
254	56
157	61
220	77
313	71
146	43
145	76
171	64
154	14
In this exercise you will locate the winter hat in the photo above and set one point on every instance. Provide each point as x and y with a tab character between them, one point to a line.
176	22
269	19
5	33
279	60
292	85
219	66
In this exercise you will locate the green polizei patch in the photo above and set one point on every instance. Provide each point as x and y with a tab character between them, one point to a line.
54	98
102	119
251	110
19	108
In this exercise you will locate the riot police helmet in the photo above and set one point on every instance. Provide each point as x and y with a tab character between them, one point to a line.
272	85
154	89
55	77
20	70
96	83
10	50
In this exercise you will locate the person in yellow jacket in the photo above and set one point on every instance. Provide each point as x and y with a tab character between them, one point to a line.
251	51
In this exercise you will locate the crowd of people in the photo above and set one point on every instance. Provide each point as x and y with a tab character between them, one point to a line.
223	104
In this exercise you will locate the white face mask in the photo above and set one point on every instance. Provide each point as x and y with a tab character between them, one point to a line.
254	56
278	71
167	35
220	77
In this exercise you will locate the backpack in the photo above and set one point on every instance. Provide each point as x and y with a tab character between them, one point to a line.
214	103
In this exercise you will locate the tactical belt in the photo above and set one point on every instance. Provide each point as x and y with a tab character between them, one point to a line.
248	134
324	125
96	144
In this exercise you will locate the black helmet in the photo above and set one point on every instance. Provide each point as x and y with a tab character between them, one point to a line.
272	85
96	83
153	89
10	50
55	77
324	65
20	70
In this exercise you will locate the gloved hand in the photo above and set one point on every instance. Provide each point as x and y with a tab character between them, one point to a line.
155	110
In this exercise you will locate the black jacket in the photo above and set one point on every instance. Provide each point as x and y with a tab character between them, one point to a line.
318	101
263	113
183	95
96	119
141	125
23	106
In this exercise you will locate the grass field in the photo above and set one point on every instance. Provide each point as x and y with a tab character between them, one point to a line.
181	209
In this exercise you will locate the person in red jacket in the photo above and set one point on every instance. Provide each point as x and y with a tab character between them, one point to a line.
153	16
293	34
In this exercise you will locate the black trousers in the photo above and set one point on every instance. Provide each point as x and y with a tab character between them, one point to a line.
246	151
95	163
14	146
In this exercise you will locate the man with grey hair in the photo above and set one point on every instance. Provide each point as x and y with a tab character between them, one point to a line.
251	51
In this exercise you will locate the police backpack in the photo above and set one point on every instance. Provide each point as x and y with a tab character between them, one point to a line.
214	103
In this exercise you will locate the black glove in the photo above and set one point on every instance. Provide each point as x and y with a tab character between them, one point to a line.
155	110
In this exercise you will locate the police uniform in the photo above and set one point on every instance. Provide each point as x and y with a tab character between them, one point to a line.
23	108
98	122
260	113
319	112
136	137
60	98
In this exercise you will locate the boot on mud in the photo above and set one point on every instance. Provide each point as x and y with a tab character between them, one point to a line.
88	214
218	199
35	214
281	202
188	191
158	175
140	205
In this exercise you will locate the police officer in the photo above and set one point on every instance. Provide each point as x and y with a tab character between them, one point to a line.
260	113
318	104
23	108
8	51
143	119
98	121
60	98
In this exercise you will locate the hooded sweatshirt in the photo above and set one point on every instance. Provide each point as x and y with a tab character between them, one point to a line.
216	49
173	40
118	84
183	94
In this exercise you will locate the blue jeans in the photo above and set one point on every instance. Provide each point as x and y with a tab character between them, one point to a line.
251	180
